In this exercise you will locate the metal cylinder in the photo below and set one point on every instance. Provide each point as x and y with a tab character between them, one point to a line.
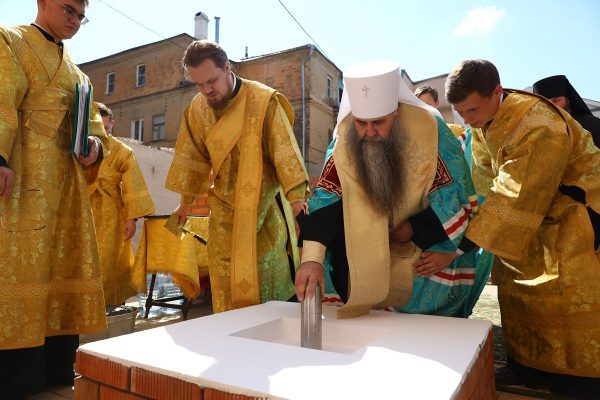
311	325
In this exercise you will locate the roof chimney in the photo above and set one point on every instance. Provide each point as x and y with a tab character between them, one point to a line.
201	26
217	20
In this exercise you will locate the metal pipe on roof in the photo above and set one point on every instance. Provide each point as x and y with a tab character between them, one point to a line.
310	51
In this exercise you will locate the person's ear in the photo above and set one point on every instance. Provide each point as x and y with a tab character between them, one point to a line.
498	90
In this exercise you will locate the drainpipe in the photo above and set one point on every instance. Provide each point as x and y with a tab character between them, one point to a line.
310	51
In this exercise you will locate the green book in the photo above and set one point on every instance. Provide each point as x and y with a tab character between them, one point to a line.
81	119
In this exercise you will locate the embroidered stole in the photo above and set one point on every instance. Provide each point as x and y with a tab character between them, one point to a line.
243	123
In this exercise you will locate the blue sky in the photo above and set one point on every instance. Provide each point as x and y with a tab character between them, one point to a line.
527	39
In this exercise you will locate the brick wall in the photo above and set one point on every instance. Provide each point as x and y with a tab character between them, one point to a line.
102	379
163	70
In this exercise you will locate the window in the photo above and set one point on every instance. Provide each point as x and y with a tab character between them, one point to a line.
110	83
329	87
158	127
140	76
137	130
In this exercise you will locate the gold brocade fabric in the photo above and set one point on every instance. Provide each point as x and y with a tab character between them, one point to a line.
549	277
380	276
50	281
457	129
118	194
160	251
254	156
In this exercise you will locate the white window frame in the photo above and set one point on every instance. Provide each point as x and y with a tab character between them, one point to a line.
109	89
329	87
155	125
139	76
137	129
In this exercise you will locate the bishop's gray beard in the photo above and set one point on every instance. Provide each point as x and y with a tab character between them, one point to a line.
379	168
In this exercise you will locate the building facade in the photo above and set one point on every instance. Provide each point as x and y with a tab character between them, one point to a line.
310	81
147	90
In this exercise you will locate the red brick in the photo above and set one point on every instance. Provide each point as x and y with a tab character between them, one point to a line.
214	394
109	393
102	370
86	389
157	386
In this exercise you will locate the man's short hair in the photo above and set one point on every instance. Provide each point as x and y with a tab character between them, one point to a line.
471	76
104	110
427	89
200	50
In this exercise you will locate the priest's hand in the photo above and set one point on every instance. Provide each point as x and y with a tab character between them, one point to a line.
183	212
94	146
402	233
430	263
308	274
129	229
7	181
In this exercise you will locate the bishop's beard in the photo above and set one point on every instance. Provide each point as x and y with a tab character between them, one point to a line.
379	168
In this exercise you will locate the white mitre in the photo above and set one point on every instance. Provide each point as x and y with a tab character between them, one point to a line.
373	89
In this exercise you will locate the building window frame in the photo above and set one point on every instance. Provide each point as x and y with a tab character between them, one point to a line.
137	129
110	83
158	127
329	87
140	75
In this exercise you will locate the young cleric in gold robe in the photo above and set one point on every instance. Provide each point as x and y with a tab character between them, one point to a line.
240	131
540	173
50	283
118	196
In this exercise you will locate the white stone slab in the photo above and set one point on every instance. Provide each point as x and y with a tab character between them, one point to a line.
255	351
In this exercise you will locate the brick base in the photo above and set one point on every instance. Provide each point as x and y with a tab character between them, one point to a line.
102	379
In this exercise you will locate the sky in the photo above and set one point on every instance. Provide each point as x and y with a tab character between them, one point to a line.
526	39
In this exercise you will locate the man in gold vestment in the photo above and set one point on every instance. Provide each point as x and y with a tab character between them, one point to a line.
119	197
240	132
50	283
540	173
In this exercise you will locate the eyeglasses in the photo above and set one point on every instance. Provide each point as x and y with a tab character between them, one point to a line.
71	13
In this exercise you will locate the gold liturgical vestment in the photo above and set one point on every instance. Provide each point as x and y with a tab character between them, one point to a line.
50	280
252	152
549	278
118	194
457	129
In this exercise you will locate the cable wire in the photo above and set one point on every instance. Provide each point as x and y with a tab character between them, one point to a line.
301	27
140	24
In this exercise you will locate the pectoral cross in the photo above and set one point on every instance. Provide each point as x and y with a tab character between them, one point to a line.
366	90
